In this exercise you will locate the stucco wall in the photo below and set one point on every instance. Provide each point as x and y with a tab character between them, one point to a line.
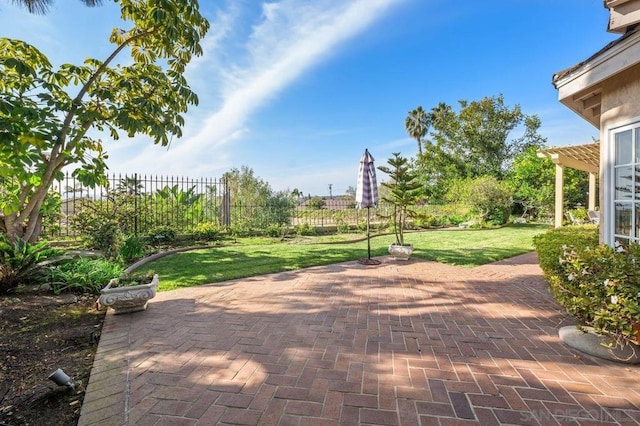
620	103
620	98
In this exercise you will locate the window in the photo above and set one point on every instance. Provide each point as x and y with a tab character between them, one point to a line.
626	180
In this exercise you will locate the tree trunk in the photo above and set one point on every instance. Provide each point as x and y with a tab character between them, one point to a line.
15	230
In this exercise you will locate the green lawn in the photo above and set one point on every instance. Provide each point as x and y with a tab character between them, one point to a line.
467	248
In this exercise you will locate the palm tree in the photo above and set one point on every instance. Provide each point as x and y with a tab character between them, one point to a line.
417	123
40	7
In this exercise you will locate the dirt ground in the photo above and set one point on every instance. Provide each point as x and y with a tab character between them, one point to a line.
38	334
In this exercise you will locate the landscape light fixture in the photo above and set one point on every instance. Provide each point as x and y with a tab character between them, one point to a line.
60	378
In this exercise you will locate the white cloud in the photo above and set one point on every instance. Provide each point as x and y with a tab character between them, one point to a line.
291	37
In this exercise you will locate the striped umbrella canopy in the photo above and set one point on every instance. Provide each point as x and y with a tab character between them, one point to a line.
366	187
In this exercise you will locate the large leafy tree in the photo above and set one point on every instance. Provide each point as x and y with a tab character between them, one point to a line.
481	139
254	204
42	6
46	114
533	181
417	124
245	188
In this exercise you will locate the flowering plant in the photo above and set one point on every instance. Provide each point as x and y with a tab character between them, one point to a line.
601	287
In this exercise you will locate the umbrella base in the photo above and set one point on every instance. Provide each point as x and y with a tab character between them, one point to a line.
369	262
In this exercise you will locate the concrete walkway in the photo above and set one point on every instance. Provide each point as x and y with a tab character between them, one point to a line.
402	343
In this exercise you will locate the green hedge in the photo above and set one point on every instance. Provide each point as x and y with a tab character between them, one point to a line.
550	245
596	283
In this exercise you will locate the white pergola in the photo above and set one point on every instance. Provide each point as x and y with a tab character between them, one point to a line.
581	157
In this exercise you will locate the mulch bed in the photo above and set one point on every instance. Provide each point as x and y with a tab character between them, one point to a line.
39	333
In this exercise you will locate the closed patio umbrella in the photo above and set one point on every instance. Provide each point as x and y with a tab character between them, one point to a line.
367	196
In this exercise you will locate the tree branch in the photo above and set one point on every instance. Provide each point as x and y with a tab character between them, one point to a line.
83	90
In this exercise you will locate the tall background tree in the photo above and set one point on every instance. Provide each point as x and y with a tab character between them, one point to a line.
481	139
254	204
533	181
417	124
44	127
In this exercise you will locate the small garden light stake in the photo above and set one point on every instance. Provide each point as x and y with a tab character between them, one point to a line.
60	378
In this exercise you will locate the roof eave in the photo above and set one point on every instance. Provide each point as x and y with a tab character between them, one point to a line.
578	85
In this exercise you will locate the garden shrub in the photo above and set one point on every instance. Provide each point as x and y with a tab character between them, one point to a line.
277	231
132	249
83	275
242	228
490	199
425	220
341	217
108	238
549	245
600	285
342	228
207	231
487	197
23	263
162	235
99	231
306	229
596	283
454	219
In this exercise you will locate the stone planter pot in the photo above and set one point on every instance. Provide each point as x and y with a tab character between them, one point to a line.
128	299
597	345
401	252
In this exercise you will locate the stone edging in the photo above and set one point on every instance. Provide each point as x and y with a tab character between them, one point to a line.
594	344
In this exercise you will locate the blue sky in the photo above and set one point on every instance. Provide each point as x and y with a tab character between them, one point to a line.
297	89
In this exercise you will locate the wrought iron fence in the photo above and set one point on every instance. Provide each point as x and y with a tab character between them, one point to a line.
142	202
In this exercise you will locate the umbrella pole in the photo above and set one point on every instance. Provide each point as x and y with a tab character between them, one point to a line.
368	238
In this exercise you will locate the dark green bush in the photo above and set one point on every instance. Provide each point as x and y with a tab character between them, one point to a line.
162	235
242	228
132	249
108	238
23	263
549	245
99	231
83	275
306	229
596	283
425	220
207	231
277	231
600	285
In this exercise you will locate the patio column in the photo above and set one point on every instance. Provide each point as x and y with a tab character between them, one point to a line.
592	191
559	195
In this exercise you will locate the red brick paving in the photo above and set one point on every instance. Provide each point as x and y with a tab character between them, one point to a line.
402	343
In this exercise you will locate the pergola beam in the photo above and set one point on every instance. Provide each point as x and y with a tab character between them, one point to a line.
581	157
571	162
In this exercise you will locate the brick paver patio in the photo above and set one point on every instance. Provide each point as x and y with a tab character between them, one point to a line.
402	343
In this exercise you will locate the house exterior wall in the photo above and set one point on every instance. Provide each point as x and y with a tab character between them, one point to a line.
620	105
620	98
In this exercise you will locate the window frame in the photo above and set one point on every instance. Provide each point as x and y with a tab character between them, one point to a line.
609	210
